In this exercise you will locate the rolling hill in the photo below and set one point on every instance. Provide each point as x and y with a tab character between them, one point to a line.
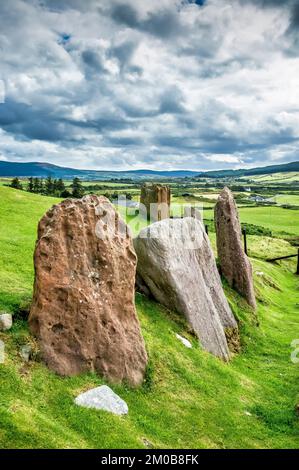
266	170
42	170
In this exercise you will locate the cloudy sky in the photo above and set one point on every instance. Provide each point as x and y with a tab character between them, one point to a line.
126	84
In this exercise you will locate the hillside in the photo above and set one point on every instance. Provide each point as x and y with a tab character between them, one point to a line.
42	170
287	177
189	400
266	170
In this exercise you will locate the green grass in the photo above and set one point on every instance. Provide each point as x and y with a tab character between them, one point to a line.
292	199
189	400
277	219
288	177
19	214
5	181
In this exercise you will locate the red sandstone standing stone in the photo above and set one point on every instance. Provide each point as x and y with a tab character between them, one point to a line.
235	265
83	310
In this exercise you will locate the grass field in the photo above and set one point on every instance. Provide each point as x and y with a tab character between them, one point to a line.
190	399
292	199
288	177
279	220
18	210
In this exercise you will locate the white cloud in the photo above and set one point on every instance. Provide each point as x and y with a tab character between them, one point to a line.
224	158
164	84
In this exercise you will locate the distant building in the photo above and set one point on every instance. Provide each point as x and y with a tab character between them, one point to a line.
257	198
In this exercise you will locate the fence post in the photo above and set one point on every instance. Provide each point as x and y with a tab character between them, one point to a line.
245	240
297	272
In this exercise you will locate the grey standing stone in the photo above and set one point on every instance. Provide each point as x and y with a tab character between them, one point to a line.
177	264
235	265
5	321
102	398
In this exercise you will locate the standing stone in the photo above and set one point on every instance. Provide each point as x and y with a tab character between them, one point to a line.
155	199
83	311
235	265
176	263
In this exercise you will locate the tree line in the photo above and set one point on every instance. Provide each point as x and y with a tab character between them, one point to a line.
50	187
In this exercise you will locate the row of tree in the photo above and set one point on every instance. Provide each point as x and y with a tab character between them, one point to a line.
50	187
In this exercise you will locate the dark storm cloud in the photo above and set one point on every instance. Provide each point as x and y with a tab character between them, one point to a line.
31	123
63	5
163	24
269	3
123	53
172	102
42	124
295	17
124	141
125	14
93	61
23	120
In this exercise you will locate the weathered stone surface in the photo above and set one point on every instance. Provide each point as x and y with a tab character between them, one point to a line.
83	311
235	265
155	199
176	262
5	321
102	398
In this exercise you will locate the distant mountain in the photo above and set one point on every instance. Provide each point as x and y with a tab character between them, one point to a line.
42	170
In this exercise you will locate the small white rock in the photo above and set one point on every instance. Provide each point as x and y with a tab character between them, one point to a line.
5	321
184	341
102	398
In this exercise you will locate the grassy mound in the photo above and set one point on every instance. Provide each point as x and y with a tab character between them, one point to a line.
189	399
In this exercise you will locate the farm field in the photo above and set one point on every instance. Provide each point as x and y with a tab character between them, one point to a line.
288	177
292	199
280	221
248	403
